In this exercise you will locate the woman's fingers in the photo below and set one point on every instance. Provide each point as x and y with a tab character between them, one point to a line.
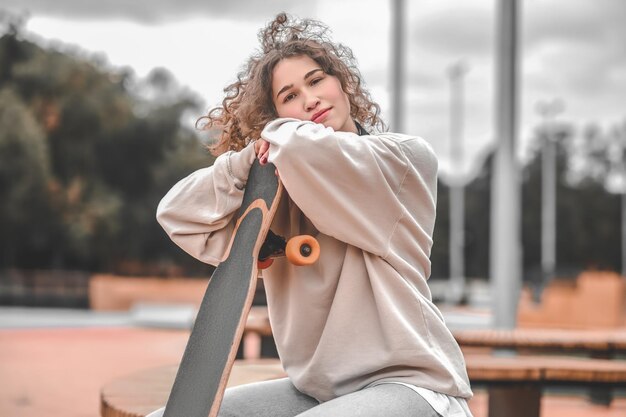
263	152
263	158
260	146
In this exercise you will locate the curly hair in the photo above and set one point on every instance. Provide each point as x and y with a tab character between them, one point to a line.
248	105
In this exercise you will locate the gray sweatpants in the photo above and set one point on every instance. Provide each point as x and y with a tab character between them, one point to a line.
279	398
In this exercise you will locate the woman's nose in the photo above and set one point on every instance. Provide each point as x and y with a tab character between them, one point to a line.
311	102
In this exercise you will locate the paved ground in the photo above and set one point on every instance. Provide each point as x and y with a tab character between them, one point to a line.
58	371
170	316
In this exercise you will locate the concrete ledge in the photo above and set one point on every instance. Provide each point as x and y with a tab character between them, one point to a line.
115	293
595	300
143	392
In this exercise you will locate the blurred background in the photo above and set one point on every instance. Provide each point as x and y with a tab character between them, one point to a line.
98	103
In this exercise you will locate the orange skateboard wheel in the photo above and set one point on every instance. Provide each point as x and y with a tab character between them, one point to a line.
266	263
302	250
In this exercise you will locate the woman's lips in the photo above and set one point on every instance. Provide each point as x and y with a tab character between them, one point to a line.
320	116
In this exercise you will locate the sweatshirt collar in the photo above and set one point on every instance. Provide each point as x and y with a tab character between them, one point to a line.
360	130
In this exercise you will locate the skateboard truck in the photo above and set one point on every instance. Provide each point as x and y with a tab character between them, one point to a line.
300	250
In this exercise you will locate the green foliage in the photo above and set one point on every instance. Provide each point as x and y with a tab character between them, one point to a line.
84	160
87	152
477	208
24	179
588	216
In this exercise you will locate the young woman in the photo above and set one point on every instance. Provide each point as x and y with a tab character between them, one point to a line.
357	332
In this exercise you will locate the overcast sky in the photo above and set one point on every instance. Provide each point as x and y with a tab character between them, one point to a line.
572	50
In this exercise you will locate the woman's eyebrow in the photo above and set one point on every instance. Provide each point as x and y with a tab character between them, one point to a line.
307	75
313	71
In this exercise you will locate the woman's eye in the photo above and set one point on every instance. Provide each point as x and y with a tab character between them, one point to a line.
316	80
289	97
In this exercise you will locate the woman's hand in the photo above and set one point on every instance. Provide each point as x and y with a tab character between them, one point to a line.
262	150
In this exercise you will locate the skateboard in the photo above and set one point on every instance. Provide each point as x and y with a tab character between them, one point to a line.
208	358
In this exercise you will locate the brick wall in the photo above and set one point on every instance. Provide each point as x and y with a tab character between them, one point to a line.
594	300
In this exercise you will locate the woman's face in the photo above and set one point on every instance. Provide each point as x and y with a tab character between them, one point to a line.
301	89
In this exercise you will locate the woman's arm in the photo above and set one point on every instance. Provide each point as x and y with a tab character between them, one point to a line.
197	212
349	186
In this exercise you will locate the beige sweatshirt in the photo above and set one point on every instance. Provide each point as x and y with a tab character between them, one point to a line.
363	313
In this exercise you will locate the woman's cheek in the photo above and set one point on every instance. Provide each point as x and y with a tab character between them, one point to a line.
292	112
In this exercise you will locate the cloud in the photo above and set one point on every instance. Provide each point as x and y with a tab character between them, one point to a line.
572	49
600	22
585	44
578	56
154	11
469	29
459	31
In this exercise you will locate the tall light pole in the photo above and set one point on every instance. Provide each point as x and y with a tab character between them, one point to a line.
456	72
397	65
505	231
548	112
623	170
617	183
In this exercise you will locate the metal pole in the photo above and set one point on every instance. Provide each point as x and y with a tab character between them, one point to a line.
620	188
548	209
397	65
505	249
457	189
548	111
624	226
617	155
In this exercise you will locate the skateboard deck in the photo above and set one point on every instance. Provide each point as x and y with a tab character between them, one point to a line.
205	367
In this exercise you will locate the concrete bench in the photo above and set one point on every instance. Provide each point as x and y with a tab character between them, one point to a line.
139	394
515	383
257	335
597	344
523	376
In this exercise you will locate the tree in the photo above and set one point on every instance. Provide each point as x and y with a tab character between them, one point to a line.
586	221
86	152
24	181
588	232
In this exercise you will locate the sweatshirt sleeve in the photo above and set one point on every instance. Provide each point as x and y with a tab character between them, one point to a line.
346	184
197	213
